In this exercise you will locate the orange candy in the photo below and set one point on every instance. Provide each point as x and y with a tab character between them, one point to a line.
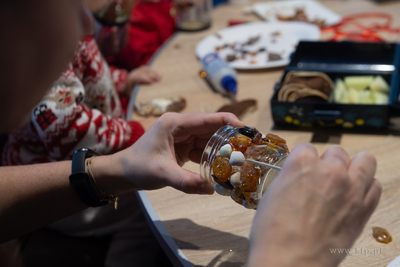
250	176
275	139
284	146
221	168
251	200
257	138
381	235
276	146
241	143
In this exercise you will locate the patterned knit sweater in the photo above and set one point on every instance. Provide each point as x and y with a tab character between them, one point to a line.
82	109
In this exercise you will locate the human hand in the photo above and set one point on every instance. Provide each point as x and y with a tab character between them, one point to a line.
156	159
313	205
147	122
142	74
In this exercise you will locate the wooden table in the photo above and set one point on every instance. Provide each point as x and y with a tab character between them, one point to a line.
213	230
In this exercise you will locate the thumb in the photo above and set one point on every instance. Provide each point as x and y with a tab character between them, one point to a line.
187	181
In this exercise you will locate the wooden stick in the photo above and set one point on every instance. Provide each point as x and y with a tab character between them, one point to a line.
265	164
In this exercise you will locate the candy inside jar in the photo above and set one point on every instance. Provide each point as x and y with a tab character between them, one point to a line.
229	163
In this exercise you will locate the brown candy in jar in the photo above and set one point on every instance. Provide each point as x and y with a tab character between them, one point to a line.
240	143
250	177
221	168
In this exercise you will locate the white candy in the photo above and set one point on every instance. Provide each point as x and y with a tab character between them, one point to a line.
222	190
226	151
249	205
237	158
235	179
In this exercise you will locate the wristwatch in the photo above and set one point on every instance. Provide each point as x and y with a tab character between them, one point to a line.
83	182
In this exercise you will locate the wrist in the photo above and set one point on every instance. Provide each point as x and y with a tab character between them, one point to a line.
109	175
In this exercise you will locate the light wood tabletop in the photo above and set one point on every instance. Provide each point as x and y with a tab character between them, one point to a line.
213	230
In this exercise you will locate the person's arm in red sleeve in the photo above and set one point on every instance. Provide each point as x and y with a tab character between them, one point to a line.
120	79
64	123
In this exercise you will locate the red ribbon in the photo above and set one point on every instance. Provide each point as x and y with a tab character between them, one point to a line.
362	33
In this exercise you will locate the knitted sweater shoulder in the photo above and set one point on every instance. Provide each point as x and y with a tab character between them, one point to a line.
81	109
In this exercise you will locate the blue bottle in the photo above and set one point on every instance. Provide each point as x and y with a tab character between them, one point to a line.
221	76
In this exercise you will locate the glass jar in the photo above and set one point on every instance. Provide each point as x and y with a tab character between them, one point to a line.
192	15
230	162
117	13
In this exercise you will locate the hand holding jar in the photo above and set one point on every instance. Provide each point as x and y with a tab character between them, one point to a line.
156	159
314	204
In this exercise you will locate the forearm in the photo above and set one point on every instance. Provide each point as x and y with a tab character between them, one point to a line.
34	196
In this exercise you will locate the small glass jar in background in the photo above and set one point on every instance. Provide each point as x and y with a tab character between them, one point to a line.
116	13
229	163
192	15
110	19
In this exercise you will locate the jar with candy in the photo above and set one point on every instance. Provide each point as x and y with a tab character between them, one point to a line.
232	162
192	15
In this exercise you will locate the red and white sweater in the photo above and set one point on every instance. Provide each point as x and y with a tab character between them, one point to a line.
82	109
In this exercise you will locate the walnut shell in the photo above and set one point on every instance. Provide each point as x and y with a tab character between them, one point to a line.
159	106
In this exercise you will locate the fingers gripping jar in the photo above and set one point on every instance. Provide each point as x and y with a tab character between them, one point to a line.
229	162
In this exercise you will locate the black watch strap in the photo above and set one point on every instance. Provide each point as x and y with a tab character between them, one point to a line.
83	184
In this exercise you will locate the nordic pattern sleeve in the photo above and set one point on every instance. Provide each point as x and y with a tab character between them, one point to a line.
65	124
120	78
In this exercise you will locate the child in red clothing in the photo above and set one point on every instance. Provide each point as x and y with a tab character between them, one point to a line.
151	24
